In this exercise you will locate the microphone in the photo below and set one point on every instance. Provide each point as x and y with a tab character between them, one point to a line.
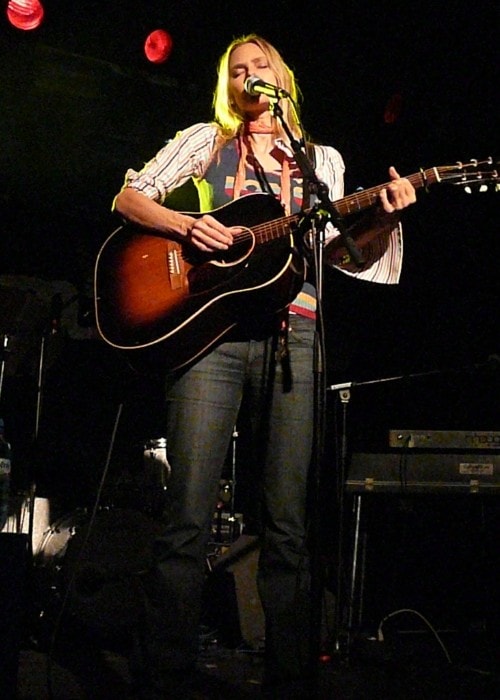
255	86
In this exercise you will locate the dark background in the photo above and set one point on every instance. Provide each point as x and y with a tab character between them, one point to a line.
80	104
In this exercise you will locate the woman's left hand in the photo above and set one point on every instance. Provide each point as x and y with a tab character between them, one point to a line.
399	194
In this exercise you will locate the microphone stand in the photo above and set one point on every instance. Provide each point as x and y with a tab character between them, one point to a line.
319	189
4	350
51	328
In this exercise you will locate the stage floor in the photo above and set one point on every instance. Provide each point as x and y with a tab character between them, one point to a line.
411	666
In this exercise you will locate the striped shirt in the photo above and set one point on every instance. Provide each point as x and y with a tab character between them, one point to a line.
189	154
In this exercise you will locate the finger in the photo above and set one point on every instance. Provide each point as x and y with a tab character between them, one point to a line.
393	191
207	238
386	204
217	226
216	230
409	192
207	243
402	192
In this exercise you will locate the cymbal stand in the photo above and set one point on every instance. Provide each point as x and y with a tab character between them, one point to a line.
344	395
232	514
36	432
3	355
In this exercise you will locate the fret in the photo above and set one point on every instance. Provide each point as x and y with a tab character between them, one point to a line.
358	201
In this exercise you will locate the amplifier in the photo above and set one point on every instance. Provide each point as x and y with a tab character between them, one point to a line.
427	471
445	439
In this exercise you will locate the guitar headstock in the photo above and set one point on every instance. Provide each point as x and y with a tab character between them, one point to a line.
474	176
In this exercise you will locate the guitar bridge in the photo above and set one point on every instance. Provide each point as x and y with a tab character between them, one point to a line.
174	265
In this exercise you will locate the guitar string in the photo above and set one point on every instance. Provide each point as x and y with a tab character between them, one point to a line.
269	229
361	199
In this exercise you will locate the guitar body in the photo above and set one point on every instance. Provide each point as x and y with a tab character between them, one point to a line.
150	290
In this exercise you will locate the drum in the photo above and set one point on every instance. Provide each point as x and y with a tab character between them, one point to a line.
156	473
155	458
19	517
94	569
144	489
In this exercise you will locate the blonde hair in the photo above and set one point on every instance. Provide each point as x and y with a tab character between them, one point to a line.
227	116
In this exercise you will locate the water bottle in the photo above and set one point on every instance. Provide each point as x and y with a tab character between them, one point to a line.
5	465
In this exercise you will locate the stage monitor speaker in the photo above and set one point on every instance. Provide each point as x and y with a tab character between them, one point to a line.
435	554
232	602
14	605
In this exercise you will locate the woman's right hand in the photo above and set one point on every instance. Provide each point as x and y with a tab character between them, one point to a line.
208	235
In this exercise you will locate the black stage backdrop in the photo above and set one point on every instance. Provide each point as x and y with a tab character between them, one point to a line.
407	85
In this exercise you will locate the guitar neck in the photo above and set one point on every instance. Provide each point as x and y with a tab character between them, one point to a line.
366	198
347	205
458	174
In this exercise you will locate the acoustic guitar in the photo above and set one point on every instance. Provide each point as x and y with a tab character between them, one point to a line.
151	290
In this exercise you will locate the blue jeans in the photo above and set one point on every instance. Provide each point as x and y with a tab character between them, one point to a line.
202	409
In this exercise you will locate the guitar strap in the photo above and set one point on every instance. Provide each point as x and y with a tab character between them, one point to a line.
261	176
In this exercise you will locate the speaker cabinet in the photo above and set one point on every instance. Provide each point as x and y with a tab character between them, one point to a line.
432	553
14	599
232	603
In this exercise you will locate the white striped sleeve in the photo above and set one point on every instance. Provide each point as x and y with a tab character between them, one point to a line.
183	157
383	258
384	254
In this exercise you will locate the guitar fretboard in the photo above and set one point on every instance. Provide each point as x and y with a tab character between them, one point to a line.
358	201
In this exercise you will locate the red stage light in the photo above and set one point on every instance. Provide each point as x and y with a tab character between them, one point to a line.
158	46
25	14
393	108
